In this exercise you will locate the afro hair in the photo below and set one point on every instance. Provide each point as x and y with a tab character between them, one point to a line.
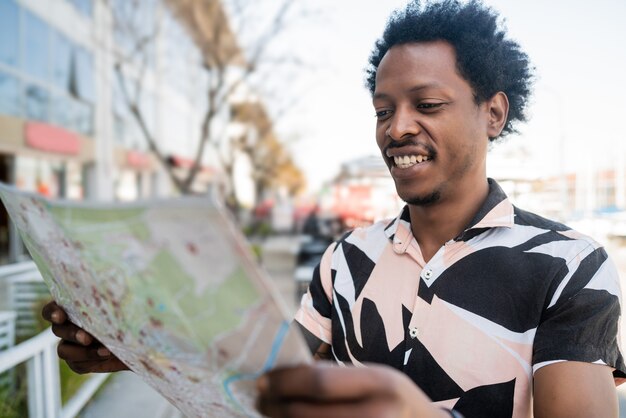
486	58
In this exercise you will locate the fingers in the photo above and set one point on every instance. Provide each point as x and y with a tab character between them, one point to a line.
378	408
325	383
320	390
78	353
71	333
64	329
93	359
82	352
54	313
106	366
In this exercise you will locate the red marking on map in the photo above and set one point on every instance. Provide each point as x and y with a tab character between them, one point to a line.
152	370
191	247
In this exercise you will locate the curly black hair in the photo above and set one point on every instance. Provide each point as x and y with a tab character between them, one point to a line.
486	58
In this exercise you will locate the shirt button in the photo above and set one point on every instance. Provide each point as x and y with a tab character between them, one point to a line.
428	274
413	332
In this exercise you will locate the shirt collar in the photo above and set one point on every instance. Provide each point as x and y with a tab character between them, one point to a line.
496	211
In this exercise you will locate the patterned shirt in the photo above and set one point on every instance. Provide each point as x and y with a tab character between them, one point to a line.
513	293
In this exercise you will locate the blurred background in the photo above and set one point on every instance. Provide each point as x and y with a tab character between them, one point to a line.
263	102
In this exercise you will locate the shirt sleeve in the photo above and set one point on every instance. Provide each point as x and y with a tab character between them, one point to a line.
315	309
581	321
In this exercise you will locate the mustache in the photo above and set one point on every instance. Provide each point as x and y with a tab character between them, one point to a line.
409	142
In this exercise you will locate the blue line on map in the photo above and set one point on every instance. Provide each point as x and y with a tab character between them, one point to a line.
269	363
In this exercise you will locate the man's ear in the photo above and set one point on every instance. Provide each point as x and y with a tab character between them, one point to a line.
498	108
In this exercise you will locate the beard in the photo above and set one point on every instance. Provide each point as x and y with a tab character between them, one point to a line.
426	200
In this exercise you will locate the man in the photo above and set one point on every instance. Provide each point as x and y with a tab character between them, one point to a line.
471	306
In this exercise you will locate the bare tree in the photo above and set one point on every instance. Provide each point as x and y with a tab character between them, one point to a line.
271	161
227	66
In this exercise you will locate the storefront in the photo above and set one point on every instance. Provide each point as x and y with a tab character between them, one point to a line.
43	159
136	175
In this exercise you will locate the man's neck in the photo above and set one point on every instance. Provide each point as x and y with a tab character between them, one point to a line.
434	225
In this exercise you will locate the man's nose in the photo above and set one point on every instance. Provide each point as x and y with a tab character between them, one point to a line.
403	125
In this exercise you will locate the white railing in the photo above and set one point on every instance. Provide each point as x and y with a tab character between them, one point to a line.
21	289
7	340
42	365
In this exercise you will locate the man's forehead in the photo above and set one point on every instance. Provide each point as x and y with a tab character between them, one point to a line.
424	64
426	54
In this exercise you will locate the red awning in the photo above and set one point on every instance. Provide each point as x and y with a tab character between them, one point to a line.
136	159
187	163
44	137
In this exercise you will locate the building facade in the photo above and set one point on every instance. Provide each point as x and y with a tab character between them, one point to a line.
66	127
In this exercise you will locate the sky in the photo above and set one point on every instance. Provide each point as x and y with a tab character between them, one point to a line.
576	114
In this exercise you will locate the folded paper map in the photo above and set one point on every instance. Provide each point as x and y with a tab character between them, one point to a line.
170	288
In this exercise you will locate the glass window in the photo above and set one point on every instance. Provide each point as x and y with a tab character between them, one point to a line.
134	137
119	105
9	31
72	114
84	75
85	7
119	129
135	30
126	186
9	95
61	61
40	176
177	129
179	58
74	180
61	111
36	47
148	111
37	100
83	122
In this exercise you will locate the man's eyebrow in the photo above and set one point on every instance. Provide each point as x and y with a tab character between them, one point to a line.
433	85
413	89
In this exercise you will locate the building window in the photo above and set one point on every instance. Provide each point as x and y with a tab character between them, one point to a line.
49	178
84	7
127	130
61	61
37	101
9	31
83	118
127	185
135	29
55	82
84	75
36	47
10	95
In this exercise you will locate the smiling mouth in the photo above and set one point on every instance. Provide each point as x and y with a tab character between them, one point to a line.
407	161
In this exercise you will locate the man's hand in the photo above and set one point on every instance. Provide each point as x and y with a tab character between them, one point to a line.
82	352
324	390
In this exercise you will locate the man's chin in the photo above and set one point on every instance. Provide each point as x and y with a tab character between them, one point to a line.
423	200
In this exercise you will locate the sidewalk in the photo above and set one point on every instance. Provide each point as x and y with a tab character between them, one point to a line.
126	395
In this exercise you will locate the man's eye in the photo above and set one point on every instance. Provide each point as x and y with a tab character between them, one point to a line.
429	106
383	113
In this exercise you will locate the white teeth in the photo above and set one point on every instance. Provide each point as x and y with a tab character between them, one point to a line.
409	160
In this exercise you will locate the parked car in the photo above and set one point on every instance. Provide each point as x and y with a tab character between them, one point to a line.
309	256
